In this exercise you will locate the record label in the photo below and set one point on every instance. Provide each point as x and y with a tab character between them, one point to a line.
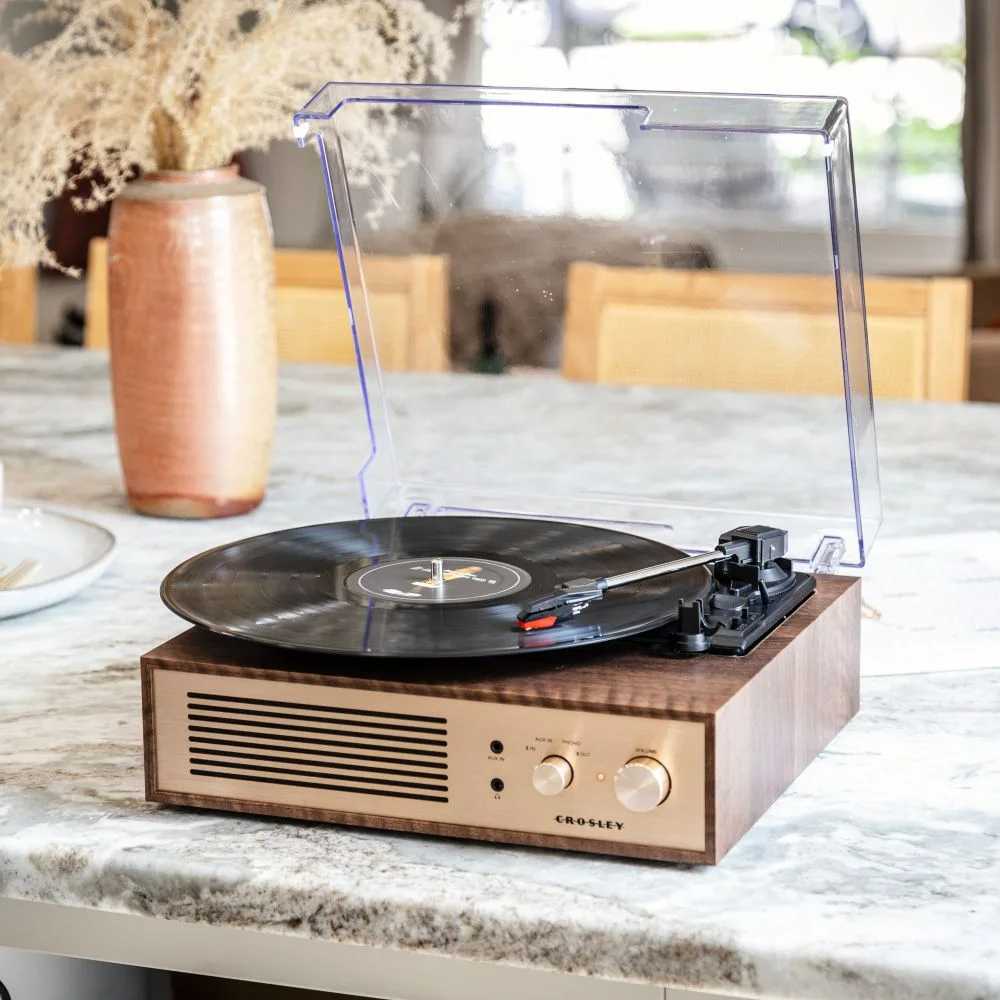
441	580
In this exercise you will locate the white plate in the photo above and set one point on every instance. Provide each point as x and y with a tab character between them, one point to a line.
71	554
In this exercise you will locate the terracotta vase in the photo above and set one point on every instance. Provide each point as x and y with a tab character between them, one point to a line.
193	352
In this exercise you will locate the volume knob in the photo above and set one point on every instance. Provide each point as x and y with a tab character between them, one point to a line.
642	784
552	775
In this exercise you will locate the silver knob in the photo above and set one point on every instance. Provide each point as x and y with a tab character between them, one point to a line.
642	784
552	776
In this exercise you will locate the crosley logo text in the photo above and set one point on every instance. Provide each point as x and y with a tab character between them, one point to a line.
602	824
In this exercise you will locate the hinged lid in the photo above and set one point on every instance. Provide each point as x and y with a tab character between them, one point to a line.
663	371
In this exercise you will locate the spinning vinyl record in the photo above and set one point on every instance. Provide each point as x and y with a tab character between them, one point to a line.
423	586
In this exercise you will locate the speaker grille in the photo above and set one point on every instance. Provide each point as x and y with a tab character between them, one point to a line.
326	747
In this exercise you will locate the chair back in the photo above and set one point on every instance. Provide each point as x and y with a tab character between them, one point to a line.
690	328
18	305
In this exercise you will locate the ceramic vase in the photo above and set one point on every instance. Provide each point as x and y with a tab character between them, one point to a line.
193	352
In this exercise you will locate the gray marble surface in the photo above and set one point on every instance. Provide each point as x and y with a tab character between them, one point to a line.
876	875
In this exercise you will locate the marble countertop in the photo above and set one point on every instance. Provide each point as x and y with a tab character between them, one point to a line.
876	875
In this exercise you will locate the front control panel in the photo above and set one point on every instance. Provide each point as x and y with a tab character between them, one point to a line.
617	778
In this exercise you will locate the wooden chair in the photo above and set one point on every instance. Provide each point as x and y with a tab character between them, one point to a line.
408	298
18	305
767	333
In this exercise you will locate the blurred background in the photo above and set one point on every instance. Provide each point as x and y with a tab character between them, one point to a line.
902	67
923	85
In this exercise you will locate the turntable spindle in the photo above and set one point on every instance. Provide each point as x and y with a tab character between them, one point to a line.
437	572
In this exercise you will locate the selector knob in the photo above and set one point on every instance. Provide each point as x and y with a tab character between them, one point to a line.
552	775
642	784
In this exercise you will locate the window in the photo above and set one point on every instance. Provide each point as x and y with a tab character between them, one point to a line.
900	65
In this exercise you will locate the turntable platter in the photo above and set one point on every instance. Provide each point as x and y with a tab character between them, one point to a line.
423	586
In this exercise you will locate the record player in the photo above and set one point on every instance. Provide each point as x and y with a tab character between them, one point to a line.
599	613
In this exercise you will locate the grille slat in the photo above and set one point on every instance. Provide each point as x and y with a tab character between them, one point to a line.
199	762
324	787
291	727
299	717
197	746
352	744
313	751
317	708
377	753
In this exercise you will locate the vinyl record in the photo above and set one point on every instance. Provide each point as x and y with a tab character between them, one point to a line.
367	587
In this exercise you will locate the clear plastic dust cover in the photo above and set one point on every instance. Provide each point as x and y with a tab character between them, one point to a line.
638	310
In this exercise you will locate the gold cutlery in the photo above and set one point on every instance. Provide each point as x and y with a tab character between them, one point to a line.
18	575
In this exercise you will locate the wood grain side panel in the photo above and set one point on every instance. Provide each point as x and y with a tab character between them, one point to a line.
775	725
149	755
712	855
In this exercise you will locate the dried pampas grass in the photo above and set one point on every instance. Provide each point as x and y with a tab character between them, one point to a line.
123	84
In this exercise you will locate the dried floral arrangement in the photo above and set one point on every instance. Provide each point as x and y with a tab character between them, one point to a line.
122	84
